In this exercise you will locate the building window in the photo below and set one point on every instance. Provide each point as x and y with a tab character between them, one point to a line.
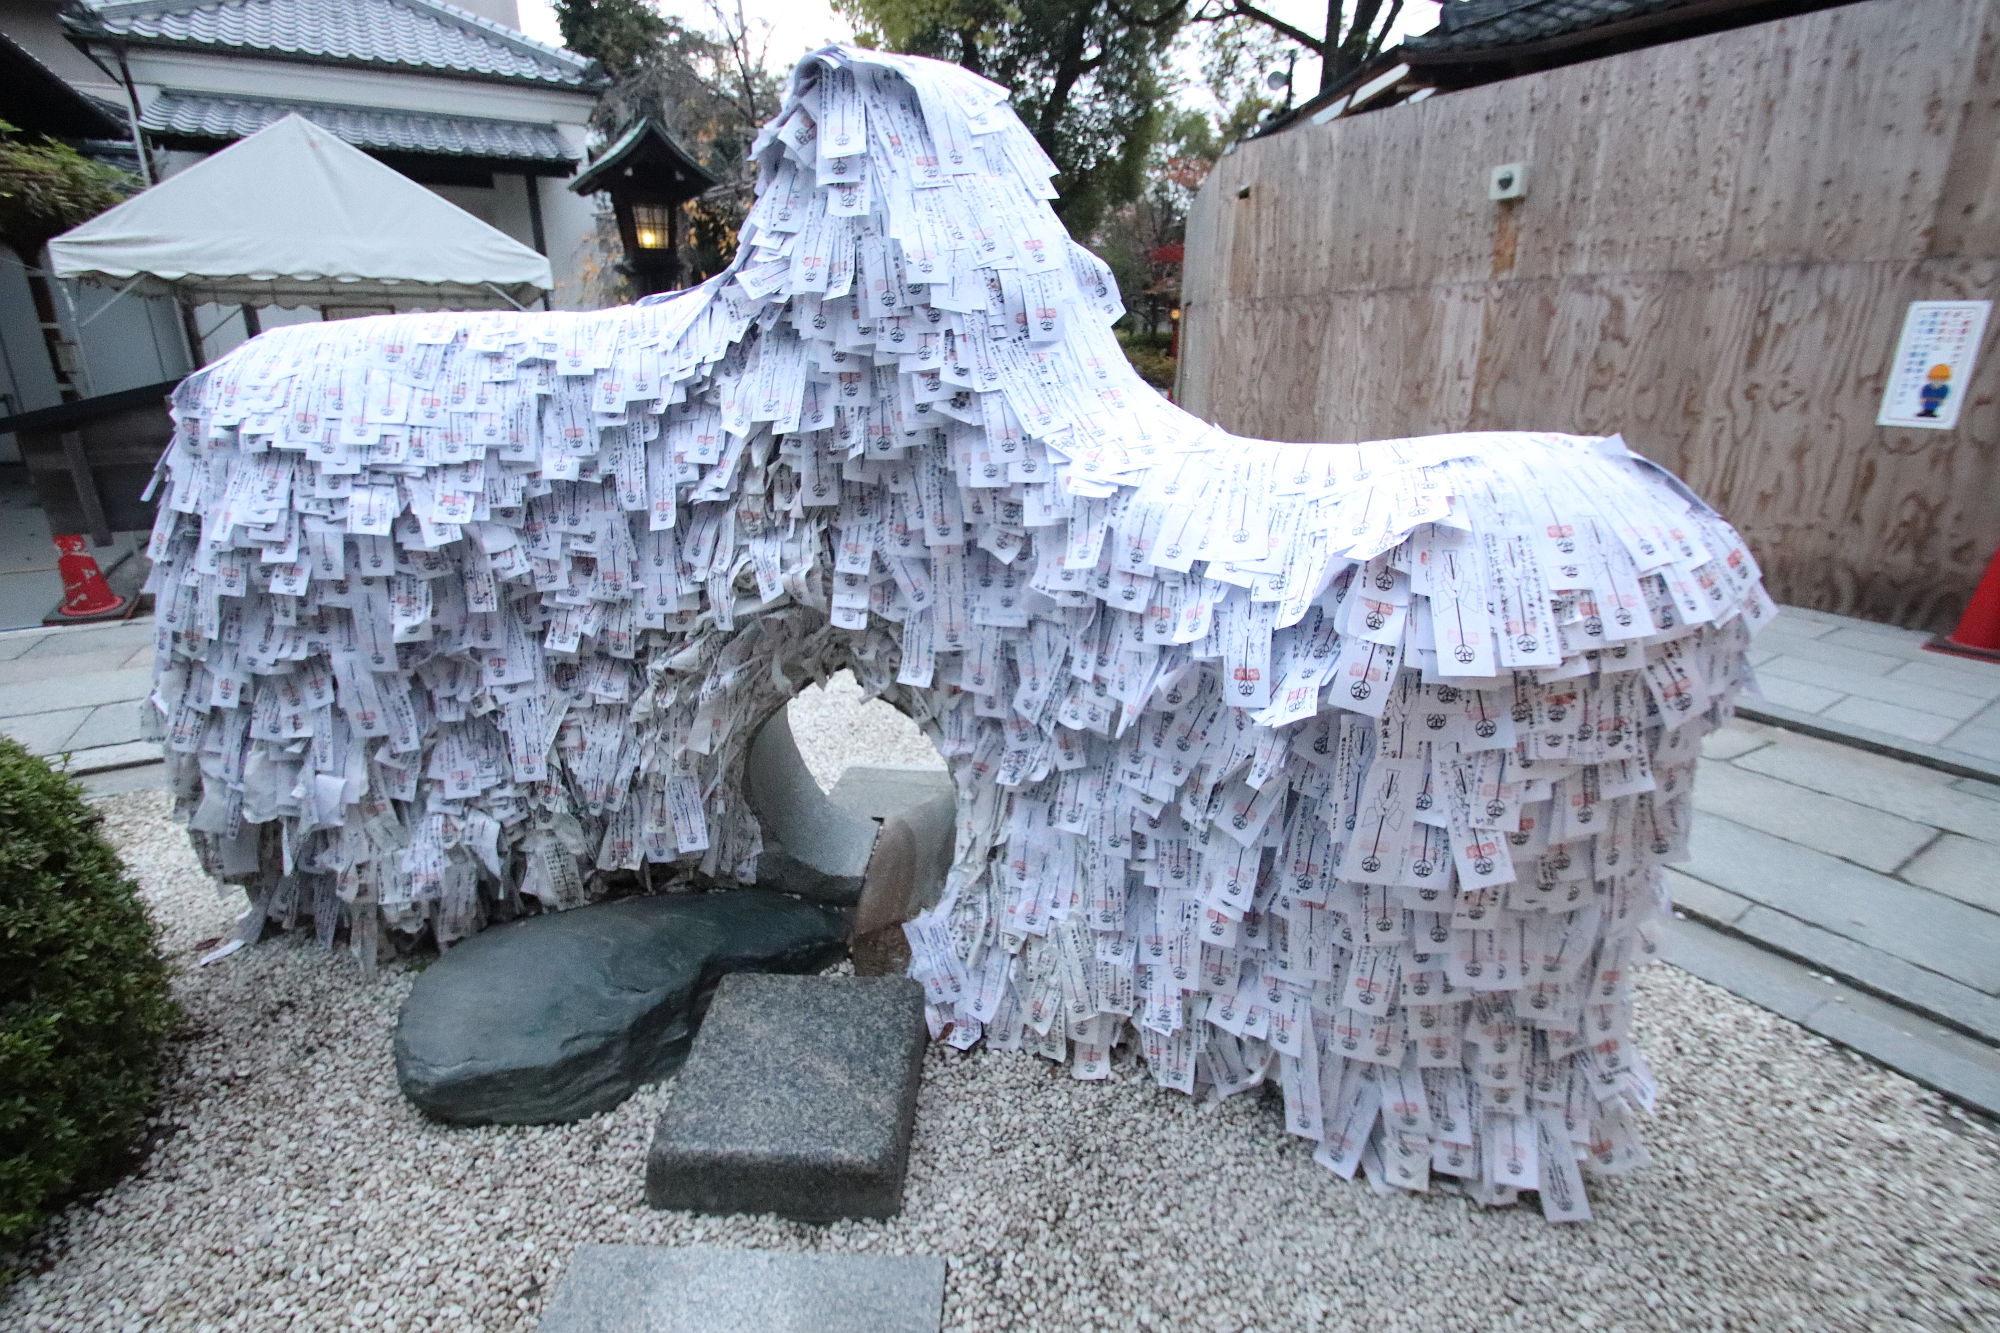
649	226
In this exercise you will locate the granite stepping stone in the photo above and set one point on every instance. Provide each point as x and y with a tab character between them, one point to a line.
798	1098
699	1289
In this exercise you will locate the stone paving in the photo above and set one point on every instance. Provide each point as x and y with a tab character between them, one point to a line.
708	1289
75	691
1867	847
1859	878
1878	682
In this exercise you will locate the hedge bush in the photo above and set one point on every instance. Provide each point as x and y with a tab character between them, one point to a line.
1149	356
85	1007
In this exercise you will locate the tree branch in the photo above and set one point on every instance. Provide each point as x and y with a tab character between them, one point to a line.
1317	45
1175	14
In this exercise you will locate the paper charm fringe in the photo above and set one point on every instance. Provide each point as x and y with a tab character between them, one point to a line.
1349	766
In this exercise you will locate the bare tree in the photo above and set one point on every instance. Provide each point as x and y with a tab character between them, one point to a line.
712	91
744	49
1355	31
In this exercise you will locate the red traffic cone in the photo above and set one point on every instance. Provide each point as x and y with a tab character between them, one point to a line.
86	596
1978	632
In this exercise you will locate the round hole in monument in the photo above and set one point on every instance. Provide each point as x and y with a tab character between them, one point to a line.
855	807
837	730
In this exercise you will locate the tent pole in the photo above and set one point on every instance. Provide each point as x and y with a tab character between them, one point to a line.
191	330
85	321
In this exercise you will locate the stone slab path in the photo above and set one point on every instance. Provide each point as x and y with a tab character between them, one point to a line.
699	1289
75	691
1873	880
798	1098
1878	684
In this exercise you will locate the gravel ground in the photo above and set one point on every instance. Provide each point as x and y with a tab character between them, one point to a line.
1796	1186
834	729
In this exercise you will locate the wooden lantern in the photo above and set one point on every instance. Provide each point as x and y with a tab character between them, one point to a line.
648	176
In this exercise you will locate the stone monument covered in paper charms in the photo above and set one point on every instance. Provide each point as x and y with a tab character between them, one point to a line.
1345	766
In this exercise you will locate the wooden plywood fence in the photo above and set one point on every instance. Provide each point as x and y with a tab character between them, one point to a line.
1718	245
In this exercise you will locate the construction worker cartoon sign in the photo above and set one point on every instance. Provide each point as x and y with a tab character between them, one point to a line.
1933	364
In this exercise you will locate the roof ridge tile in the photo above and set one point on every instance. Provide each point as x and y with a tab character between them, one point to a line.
421	34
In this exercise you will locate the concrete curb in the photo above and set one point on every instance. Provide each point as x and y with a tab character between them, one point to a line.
1937	757
1822	967
110	758
1964	1071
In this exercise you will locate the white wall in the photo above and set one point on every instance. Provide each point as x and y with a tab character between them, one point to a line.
127	340
570	221
223	329
503	204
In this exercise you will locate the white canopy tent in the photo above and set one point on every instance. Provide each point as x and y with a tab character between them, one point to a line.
295	216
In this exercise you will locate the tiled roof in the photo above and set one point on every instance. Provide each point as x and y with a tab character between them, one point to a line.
674	166
1471	25
202	116
399	34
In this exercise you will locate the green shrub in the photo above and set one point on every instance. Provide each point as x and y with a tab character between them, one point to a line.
48	187
1149	356
1154	367
85	1007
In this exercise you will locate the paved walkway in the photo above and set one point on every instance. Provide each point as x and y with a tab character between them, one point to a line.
1870	890
75	691
1877	682
1855	892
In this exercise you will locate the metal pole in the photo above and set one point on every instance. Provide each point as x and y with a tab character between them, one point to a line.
132	117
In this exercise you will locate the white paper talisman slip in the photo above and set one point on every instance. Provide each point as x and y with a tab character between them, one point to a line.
1349	766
